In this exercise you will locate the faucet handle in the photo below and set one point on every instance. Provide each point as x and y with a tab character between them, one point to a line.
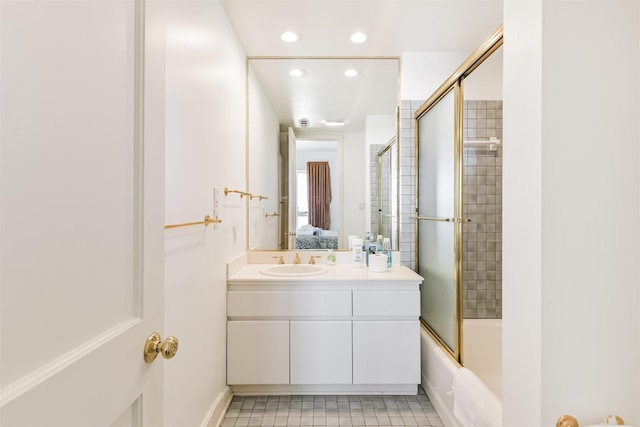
280	259
312	258
296	260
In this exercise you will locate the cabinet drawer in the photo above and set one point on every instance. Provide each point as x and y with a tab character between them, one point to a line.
386	303
290	304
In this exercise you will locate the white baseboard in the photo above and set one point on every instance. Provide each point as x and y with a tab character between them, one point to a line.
218	409
249	390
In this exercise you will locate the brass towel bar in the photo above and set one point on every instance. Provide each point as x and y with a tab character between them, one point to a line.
207	220
253	196
268	214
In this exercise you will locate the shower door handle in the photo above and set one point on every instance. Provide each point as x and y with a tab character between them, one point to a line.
431	218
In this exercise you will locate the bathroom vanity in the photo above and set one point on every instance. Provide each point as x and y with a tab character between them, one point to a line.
337	329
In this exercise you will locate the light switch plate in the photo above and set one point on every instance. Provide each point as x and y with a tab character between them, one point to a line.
216	196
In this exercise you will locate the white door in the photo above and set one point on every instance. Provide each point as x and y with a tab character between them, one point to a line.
293	200
82	161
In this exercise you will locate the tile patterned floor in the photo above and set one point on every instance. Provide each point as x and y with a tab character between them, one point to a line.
319	410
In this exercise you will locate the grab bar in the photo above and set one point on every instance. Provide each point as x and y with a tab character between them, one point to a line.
431	218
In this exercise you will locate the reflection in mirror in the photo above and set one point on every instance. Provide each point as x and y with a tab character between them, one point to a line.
384	203
290	130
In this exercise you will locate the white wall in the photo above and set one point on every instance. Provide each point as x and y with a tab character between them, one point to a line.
264	133
424	72
485	82
205	140
379	128
571	282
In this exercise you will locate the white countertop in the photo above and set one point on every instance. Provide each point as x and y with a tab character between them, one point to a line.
339	273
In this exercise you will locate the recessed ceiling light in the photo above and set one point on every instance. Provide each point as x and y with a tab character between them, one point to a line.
296	72
351	73
334	123
289	37
358	37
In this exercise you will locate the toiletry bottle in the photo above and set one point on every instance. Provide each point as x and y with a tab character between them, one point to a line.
386	249
367	243
357	252
379	243
331	257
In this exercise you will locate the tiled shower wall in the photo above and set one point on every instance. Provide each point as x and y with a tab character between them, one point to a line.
482	243
482	236
407	183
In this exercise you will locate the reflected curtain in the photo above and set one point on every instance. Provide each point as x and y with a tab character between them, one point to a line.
319	194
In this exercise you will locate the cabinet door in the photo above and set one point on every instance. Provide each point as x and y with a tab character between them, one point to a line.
386	352
258	352
321	352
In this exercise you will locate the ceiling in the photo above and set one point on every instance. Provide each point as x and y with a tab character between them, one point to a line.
324	27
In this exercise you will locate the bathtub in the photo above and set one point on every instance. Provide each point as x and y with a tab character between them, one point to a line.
482	354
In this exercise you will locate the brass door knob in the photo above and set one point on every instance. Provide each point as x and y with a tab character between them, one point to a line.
567	421
154	345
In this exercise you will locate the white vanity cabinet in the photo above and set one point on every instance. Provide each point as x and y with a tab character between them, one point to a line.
345	331
386	352
303	351
320	352
386	337
258	352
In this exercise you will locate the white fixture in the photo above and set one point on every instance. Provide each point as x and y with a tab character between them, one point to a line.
358	37
334	123
296	72
294	270
289	37
351	73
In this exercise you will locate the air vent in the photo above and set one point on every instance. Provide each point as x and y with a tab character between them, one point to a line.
304	123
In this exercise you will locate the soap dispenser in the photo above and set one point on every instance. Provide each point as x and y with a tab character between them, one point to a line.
331	257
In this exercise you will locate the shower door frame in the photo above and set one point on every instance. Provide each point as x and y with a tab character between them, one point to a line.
455	82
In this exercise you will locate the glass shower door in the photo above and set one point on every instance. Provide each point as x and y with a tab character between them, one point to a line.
437	222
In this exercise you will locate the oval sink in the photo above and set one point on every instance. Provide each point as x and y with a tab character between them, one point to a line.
294	270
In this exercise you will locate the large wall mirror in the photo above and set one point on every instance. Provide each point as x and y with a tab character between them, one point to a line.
322	151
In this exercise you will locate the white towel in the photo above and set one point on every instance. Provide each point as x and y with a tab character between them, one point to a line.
474	405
